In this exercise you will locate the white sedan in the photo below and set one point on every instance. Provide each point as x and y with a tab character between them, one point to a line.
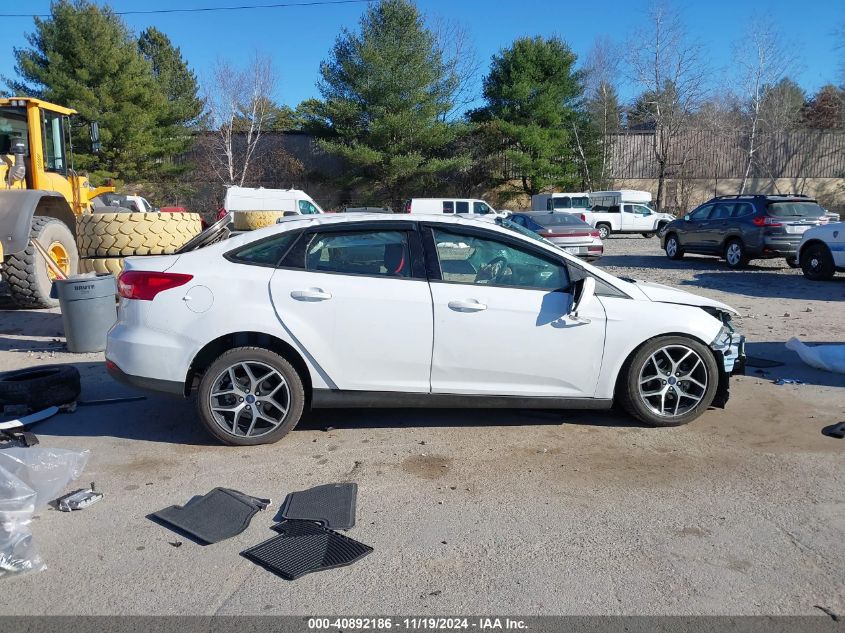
416	311
822	251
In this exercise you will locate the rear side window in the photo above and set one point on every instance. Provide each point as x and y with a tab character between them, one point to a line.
462	206
796	209
374	253
742	209
722	211
267	252
563	203
448	206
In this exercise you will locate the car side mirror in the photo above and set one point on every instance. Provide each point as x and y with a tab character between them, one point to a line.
584	298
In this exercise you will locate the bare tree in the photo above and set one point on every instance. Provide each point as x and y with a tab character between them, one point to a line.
667	66
460	60
239	108
602	75
762	61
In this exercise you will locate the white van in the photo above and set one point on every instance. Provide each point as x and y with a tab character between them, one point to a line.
561	202
461	206
261	199
625	211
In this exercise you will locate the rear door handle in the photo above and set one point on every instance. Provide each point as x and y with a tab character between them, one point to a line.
467	305
311	294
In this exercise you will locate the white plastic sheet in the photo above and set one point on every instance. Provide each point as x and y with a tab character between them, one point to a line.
827	357
29	479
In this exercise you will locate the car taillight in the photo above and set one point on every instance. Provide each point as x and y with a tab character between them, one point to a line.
595	234
766	221
583	217
145	285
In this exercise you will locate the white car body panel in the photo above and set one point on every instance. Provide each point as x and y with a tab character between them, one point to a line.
520	344
261	199
398	334
833	235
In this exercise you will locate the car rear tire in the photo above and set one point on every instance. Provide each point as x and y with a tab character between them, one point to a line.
250	396
673	247
669	381
817	263
735	255
604	230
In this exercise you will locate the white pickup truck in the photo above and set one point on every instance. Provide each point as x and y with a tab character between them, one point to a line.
625	211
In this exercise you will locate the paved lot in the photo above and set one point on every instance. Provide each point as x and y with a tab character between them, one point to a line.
741	512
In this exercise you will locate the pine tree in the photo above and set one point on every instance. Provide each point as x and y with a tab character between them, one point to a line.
178	84
385	96
84	57
533	95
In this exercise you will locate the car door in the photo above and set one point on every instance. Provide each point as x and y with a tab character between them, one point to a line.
639	218
836	243
500	318
356	301
717	225
691	232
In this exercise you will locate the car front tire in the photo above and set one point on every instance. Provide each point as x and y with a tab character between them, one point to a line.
817	263
673	247
250	396
669	381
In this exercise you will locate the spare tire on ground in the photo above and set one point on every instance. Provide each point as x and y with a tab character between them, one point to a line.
127	234
40	387
251	220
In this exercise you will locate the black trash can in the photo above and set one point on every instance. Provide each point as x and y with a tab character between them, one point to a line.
89	309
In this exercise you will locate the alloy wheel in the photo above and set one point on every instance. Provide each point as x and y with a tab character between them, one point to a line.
673	381
672	247
249	399
734	254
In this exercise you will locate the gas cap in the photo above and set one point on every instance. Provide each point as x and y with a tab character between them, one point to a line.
198	299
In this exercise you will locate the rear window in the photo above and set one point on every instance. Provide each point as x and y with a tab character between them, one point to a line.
796	209
559	219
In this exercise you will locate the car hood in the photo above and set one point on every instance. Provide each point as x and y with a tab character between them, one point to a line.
667	294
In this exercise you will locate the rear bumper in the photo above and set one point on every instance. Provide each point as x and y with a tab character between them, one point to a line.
147	384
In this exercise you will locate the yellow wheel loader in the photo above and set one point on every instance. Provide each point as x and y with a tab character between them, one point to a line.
41	197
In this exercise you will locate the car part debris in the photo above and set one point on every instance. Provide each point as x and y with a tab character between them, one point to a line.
40	387
835	430
94	403
788	381
79	499
213	517
827	357
217	232
332	505
38	416
21	438
303	547
47	471
18	554
762	363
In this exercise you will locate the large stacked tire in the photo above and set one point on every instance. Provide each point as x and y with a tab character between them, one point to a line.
251	220
104	239
27	273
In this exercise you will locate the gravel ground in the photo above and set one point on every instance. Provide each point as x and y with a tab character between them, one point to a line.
740	512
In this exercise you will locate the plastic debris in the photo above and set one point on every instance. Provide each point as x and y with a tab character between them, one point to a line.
788	381
828	357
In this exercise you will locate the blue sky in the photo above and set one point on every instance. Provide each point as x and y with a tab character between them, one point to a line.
299	38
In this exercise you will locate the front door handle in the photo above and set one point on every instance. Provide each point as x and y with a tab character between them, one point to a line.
467	305
311	294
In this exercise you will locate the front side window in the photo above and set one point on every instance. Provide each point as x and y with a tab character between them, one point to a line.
701	214
641	209
481	208
469	259
462	206
375	253
12	125
306	208
267	252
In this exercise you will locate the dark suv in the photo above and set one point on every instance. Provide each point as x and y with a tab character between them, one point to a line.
742	228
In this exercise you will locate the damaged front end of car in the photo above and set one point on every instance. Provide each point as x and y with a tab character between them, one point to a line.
729	349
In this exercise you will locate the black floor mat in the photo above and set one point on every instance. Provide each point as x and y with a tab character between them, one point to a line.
218	515
333	505
762	363
303	547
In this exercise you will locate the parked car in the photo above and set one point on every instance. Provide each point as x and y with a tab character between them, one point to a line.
349	310
743	227
565	230
560	202
821	252
448	206
259	199
625	211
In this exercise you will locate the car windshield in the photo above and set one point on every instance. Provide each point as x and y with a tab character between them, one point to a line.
559	219
513	226
795	209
